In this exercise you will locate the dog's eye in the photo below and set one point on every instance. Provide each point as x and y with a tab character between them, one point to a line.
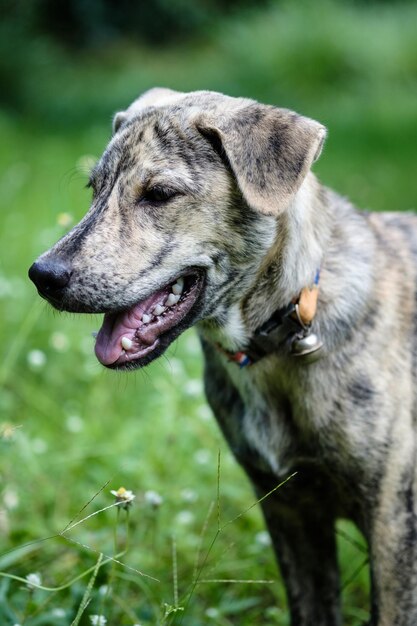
159	194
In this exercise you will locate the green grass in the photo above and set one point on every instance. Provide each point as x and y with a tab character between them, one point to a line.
71	432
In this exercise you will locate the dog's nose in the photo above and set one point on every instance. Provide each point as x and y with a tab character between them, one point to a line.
50	276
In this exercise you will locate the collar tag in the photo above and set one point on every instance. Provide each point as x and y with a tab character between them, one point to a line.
240	358
291	325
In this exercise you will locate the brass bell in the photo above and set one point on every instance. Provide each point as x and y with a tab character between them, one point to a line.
308	346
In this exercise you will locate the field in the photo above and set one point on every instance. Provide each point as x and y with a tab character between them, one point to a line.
191	550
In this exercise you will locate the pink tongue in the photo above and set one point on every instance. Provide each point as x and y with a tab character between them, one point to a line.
108	346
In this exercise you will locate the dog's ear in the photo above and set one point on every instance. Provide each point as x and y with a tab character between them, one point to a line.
157	96
270	150
118	119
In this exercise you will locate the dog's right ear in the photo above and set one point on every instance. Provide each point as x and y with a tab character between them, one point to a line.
269	150
118	119
158	96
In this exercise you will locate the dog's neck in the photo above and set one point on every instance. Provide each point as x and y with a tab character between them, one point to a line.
289	263
304	236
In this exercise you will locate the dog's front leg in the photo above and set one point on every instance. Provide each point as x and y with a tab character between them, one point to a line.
301	526
300	522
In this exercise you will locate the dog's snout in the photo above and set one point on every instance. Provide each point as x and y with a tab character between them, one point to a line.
50	276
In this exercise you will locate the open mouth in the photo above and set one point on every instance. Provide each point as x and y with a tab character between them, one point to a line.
138	335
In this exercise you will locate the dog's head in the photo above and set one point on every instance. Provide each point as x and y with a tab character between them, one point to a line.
185	201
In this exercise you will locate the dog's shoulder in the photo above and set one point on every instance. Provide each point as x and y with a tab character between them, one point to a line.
395	228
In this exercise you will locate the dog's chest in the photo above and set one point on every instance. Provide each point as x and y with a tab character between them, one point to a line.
288	418
268	424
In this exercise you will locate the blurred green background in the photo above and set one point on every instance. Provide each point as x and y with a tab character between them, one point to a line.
69	431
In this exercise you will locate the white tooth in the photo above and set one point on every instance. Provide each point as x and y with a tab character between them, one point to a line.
146	318
158	309
172	299
94	334
178	287
126	343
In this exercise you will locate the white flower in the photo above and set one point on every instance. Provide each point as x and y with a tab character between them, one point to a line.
7	431
189	495
98	620
193	387
185	518
202	457
153	498
103	589
212	612
262	538
39	446
176	367
36	359
85	163
33	580
58	612
65	220
192	344
123	495
204	413
74	423
59	342
10	498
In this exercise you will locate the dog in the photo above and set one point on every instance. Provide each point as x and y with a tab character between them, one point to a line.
205	212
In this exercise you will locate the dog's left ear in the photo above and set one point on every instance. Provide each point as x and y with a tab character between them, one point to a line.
270	150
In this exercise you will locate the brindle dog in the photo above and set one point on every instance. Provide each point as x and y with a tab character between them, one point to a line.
205	212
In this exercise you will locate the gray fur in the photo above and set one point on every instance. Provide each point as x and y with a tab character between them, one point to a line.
254	217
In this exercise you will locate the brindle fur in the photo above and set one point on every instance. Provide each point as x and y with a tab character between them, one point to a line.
254	217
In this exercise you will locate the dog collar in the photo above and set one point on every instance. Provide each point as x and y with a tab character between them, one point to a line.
290	325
